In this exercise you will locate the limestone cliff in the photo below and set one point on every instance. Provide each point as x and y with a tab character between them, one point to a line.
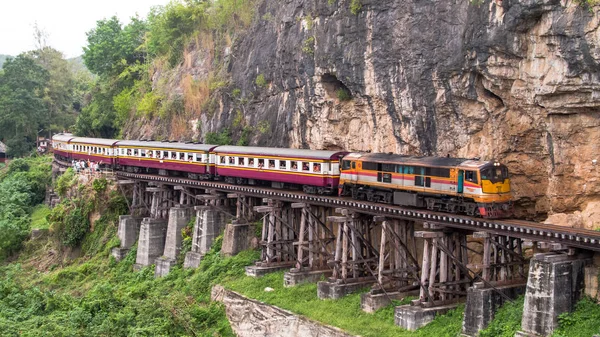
515	80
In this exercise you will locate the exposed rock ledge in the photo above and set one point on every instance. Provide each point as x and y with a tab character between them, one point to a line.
250	318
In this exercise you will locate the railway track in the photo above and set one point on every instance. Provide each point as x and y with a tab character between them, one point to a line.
535	231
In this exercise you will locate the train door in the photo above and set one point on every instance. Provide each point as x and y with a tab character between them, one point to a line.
460	181
353	172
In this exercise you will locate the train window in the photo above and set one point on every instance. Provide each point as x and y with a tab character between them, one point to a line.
408	169
231	160
418	181
427	181
317	168
388	167
353	165
181	155
135	152
345	164
283	164
294	165
251	162
398	169
371	166
222	159
305	166
271	163
386	178
471	176
190	157
165	154
261	163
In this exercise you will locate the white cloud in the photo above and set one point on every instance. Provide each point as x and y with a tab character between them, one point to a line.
66	21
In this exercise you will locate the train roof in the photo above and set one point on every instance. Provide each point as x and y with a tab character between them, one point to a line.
281	152
93	141
166	145
415	160
63	137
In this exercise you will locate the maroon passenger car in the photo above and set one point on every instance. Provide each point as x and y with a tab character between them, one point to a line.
315	171
162	157
93	149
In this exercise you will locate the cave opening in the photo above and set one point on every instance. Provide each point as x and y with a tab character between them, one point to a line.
335	88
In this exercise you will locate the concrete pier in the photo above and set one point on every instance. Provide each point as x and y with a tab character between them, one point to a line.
371	302
413	317
209	224
127	232
295	277
554	286
178	219
151	243
338	289
482	304
236	238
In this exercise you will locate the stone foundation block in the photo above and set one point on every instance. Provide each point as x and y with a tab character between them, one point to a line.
192	260
554	286
334	290
259	271
178	219
151	243
591	281
413	317
370	302
482	304
235	239
294	278
119	253
128	230
163	266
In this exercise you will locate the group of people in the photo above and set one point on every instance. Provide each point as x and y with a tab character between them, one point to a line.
85	166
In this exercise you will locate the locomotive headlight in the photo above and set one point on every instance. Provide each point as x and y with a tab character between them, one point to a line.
496	163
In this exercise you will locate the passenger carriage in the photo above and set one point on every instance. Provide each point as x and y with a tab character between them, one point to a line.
312	170
61	147
93	149
193	160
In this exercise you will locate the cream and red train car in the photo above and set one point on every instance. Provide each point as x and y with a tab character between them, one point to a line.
61	146
97	150
193	160
313	171
452	185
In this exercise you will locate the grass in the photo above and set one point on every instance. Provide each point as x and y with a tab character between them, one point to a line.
507	320
344	313
583	322
38	217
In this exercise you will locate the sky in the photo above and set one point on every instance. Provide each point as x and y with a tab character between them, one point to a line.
65	21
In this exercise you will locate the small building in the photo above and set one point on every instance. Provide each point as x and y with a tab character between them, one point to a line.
2	152
42	145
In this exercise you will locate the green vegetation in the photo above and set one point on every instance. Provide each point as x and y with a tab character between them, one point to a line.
583	322
260	81
219	138
21	188
308	46
355	6
343	94
344	313
40	93
39	217
507	320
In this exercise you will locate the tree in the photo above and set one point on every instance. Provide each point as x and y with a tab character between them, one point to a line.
22	108
112	48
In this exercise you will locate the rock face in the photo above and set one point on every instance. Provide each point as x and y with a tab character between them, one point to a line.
513	80
250	318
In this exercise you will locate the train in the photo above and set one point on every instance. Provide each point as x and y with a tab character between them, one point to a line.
454	185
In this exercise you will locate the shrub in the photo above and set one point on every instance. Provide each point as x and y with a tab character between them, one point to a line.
355	6
260	81
65	182
343	94
99	185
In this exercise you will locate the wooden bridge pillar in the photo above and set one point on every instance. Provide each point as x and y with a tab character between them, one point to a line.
279	232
